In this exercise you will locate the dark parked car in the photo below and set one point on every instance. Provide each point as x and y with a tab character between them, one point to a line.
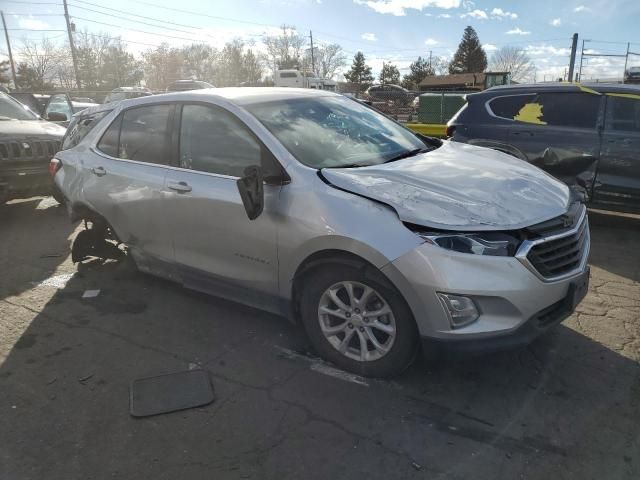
392	93
184	85
588	137
57	107
632	75
61	107
35	101
27	144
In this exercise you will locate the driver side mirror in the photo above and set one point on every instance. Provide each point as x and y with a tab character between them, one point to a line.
56	117
251	190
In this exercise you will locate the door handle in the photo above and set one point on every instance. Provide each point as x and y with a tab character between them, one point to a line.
99	171
526	132
180	187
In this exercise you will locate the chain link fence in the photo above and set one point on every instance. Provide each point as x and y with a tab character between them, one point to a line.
406	106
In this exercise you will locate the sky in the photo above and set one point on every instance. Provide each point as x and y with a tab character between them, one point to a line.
396	31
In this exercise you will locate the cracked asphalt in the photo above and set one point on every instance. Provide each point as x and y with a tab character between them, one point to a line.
566	407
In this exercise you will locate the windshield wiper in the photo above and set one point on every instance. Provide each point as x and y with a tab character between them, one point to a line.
407	154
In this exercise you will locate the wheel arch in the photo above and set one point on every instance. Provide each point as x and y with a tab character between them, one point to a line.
326	257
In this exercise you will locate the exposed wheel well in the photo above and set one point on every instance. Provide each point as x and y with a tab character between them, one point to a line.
98	222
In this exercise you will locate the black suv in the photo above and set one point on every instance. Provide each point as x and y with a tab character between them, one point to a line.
588	137
392	93
27	144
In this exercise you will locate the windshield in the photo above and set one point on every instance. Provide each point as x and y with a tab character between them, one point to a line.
335	131
11	109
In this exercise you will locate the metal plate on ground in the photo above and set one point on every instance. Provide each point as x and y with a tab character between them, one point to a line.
170	393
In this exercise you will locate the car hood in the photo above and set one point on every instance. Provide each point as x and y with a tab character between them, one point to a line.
459	187
16	129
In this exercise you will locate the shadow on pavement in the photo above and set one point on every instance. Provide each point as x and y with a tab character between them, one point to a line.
31	259
615	243
566	407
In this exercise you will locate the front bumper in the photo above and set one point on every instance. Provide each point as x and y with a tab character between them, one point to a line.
27	181
537	325
514	304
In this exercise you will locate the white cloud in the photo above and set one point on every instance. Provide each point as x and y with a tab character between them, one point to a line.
371	37
581	8
555	22
33	24
489	47
495	14
500	14
517	31
477	14
431	41
444	15
546	51
399	7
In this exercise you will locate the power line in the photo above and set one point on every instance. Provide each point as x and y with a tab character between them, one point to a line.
131	14
32	30
37	14
33	3
139	31
131	20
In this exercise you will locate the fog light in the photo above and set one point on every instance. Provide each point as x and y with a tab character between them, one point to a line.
461	310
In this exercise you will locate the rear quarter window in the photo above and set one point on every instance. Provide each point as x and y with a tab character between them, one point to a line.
80	127
508	107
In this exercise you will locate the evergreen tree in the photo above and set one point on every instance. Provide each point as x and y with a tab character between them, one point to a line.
360	72
470	57
389	74
419	70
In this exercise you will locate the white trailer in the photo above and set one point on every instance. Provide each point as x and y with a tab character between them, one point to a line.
297	79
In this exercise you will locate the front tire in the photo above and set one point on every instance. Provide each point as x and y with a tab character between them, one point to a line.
358	322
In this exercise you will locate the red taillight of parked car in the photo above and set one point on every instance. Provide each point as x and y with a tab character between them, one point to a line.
450	130
54	166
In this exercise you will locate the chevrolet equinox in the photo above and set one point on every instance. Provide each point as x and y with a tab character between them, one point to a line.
308	204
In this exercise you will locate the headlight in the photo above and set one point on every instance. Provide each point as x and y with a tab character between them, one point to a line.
484	243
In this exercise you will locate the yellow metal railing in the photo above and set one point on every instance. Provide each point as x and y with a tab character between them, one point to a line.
430	129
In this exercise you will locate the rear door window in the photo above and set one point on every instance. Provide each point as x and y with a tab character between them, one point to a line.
142	134
623	114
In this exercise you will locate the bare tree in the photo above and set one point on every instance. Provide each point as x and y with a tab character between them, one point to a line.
42	59
285	49
440	66
514	60
328	59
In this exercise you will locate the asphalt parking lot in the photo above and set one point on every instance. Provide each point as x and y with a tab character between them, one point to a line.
565	407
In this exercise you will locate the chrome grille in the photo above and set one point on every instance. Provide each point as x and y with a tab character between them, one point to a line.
558	255
29	149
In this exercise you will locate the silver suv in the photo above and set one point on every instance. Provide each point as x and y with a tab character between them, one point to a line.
308	204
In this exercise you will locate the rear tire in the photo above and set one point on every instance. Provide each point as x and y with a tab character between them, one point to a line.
341	306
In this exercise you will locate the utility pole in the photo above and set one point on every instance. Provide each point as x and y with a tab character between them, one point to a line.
626	62
13	66
71	44
313	62
579	79
572	62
